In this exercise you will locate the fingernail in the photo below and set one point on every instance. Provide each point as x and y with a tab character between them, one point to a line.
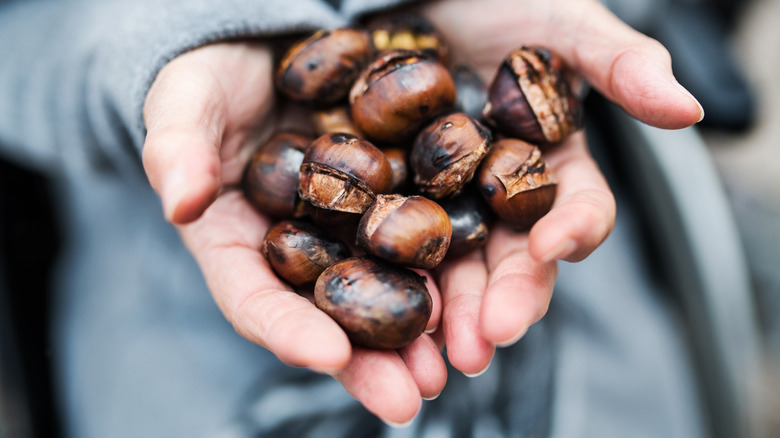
512	340
431	398
398	425
691	97
478	373
563	249
432	330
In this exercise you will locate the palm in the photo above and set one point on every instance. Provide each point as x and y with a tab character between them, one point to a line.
223	103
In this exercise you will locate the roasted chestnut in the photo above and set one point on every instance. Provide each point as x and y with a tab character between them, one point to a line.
378	304
411	231
446	153
397	93
270	179
471	219
344	173
471	91
397	158
517	184
530	99
320	69
408	32
298	252
335	119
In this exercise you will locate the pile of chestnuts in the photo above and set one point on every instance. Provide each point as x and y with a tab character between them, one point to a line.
406	162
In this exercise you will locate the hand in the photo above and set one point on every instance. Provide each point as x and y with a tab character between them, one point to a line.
490	298
203	113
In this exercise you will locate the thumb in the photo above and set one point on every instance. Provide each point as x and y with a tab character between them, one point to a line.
184	114
629	68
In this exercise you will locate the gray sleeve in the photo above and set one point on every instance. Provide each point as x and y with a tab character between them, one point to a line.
74	74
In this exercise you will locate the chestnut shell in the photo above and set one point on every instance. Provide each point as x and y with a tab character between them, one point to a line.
320	69
411	231
378	304
298	252
344	173
530	99
516	183
397	93
471	219
446	153
270	179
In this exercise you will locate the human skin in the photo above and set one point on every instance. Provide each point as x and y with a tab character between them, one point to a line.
207	106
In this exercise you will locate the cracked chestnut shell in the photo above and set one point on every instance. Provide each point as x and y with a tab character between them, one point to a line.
397	93
446	153
378	304
270	179
411	231
530	99
516	183
343	173
320	69
298	252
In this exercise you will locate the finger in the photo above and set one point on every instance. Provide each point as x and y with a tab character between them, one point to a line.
520	287
185	117
426	365
583	214
626	66
225	242
463	283
202	108
381	381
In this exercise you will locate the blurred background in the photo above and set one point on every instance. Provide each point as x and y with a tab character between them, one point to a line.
726	52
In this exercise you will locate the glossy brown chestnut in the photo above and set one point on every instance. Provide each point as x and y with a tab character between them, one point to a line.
446	153
270	179
408	32
517	184
411	231
472	91
530	99
471	219
378	304
320	69
344	173
397	158
298	252
397	93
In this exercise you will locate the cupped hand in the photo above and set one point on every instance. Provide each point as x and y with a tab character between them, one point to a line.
491	297
204	112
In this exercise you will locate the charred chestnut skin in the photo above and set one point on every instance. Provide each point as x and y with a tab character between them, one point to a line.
471	219
299	252
270	179
379	305
399	92
516	183
446	153
320	69
411	231
530	99
344	173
